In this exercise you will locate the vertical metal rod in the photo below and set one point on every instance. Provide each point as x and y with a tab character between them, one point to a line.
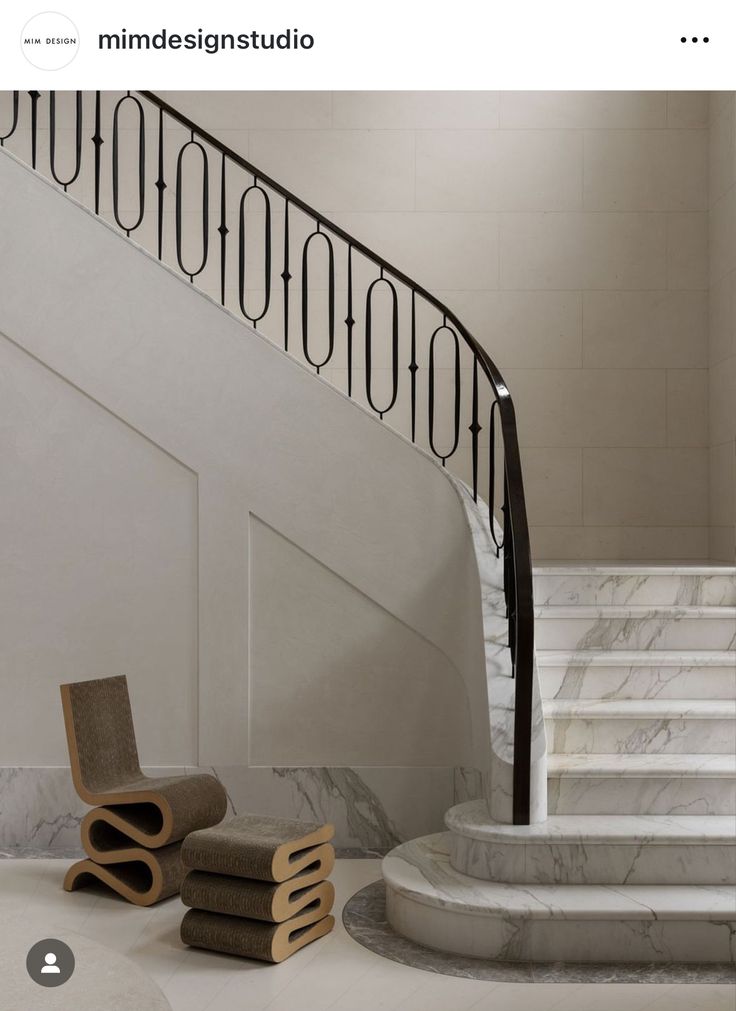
349	321
160	183
98	142
286	275
475	429
413	367
35	95
223	230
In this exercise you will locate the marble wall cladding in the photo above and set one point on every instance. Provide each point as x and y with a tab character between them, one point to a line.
722	340
570	231
372	809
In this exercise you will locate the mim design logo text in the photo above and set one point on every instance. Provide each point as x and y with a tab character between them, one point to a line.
49	40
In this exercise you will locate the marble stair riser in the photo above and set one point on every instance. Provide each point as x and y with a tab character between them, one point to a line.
602	588
581	681
674	736
641	795
516	938
609	863
654	631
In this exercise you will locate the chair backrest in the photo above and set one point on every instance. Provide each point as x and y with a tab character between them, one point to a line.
100	735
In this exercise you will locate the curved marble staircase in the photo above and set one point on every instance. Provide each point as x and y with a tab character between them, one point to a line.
636	860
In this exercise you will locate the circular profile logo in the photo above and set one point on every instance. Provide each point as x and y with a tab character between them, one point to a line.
50	962
49	40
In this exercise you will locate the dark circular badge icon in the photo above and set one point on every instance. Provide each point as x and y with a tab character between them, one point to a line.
50	962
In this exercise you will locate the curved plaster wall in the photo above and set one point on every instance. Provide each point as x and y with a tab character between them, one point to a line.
283	578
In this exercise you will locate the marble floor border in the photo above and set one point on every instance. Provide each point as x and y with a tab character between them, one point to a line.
364	917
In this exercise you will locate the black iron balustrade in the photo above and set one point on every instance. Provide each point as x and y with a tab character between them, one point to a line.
195	144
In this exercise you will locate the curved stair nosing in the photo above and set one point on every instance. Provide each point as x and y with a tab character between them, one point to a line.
433	904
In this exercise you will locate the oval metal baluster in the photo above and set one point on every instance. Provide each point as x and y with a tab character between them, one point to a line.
267	253
116	164
11	131
77	137
35	95
456	413
286	276
330	299
160	184
475	429
492	478
98	142
223	230
380	411
205	208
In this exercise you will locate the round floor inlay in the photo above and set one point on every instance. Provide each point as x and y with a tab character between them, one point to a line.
364	916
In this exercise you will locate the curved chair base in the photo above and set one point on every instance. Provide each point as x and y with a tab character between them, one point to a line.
141	876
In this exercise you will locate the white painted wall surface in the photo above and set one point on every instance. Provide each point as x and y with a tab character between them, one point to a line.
283	578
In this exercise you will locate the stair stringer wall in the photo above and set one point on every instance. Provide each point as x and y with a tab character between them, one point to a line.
264	439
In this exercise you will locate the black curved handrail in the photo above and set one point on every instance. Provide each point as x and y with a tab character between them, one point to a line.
515	540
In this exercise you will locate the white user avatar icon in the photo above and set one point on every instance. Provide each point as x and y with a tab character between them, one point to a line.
50	960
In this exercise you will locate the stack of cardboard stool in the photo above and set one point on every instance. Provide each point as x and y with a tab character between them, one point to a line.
257	886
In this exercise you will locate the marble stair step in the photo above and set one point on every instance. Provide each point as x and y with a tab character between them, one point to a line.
635	627
650	584
637	674
636	726
641	784
594	849
430	902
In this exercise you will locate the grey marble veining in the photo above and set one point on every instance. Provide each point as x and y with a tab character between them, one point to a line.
619	674
653	585
364	916
635	628
501	686
431	903
372	809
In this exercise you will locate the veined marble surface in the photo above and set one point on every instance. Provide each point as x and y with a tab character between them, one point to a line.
501	687
594	849
373	809
642	784
635	628
429	902
365	919
641	726
626	674
649	585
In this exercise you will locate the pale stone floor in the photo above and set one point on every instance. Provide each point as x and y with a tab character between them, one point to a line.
335	973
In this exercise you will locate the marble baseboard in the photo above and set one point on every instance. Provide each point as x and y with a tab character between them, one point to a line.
373	809
365	919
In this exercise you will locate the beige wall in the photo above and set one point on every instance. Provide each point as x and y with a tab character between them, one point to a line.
570	232
723	325
185	504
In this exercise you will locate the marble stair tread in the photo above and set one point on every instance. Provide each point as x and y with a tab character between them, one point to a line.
642	766
634	569
636	709
607	611
472	820
636	658
421	870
